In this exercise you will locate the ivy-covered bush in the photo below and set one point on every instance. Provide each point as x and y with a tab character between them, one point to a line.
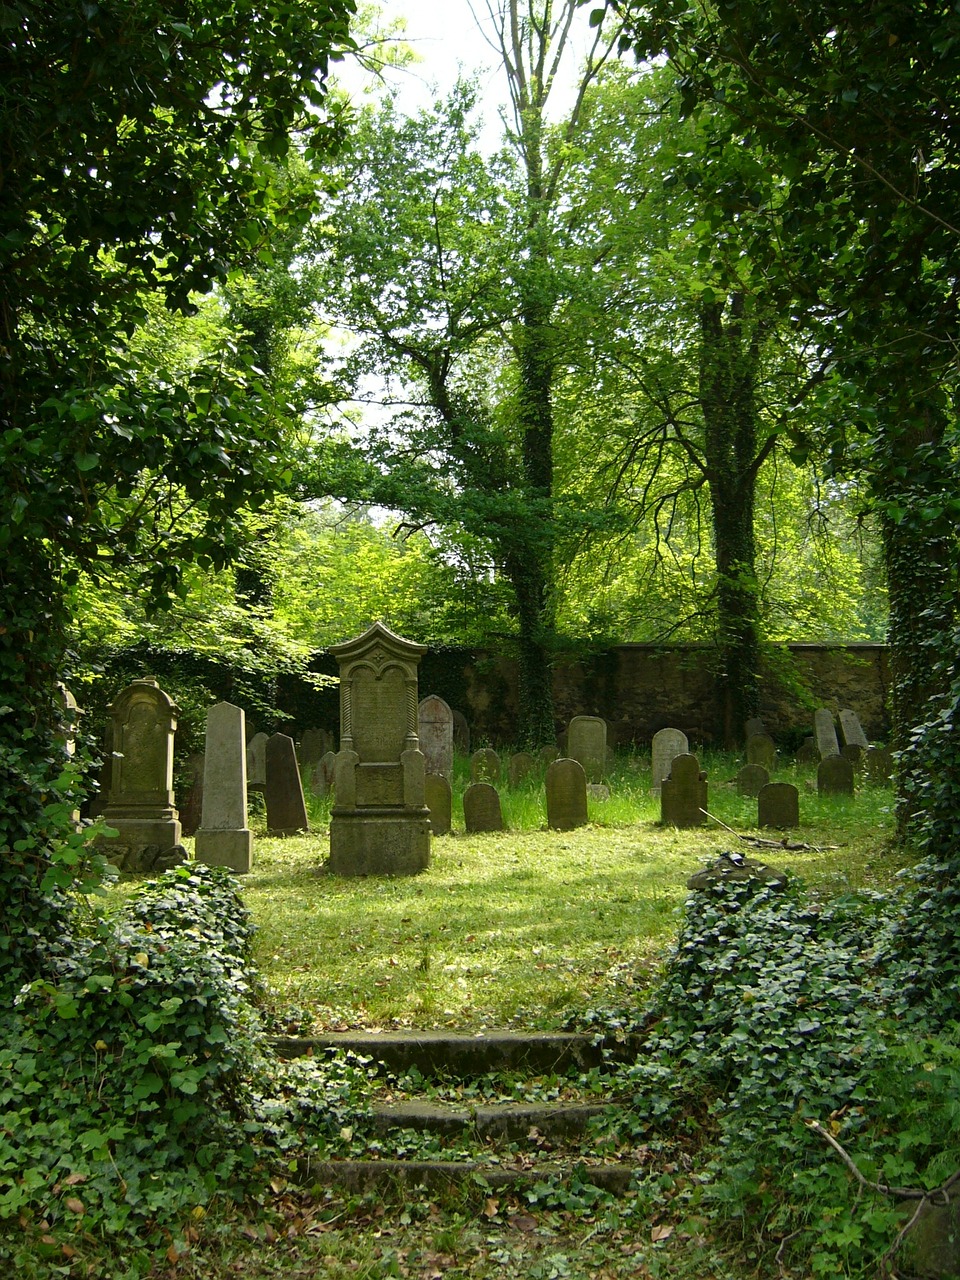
136	1082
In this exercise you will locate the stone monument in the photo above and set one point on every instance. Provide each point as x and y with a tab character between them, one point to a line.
435	720
380	824
566	788
224	839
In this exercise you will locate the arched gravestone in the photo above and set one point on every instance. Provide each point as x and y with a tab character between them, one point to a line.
587	743
440	803
481	808
380	824
835	777
321	780
286	809
753	726
751	778
520	765
140	805
257	762
807	752
547	755
667	745
485	766
778	805
683	796
879	765
762	750
313	743
224	839
435	721
566	788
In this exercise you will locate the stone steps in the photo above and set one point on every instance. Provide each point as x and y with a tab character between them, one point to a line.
497	1145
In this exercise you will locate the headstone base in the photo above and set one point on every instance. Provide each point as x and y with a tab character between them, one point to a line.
231	849
388	843
138	834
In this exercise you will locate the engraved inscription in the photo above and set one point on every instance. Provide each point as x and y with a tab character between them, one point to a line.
379	785
379	714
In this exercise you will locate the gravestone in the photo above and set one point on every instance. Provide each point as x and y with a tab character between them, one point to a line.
566	787
257	762
440	803
140	804
286	810
851	730
520	766
667	745
547	755
587	742
683	794
752	727
380	824
835	777
485	766
826	733
481	808
853	752
224	839
321	781
762	750
461	733
435	720
807	752
313	743
879	765
751	778
598	791
778	805
191	810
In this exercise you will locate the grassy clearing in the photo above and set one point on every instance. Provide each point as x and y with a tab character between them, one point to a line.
529	927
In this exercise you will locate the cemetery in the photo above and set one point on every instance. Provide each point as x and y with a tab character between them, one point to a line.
479	658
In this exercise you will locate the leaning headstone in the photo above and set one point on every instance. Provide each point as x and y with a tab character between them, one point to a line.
140	805
321	780
851	730
762	750
313	743
435	721
481	808
519	766
286	810
485	766
461	734
835	777
879	765
751	778
440	803
257	762
380	824
667	745
807	752
566	787
587	742
191	809
752	727
778	805
683	795
826	733
224	839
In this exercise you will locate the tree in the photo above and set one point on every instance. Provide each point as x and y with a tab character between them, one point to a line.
137	146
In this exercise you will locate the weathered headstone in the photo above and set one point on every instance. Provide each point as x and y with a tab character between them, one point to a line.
879	765
667	745
835	777
853	752
380	824
313	743
485	766
547	755
778	805
598	791
826	733
762	750
751	778
587	742
752	727
286	810
257	762
191	809
436	736
461	733
140	804
807	752
440	803
481	808
520	765
851	730
566	787
683	795
224	839
324	771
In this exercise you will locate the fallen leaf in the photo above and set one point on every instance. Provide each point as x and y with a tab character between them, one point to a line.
75	1179
661	1233
74	1205
491	1208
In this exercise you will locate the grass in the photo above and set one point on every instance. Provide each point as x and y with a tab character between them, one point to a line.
529	927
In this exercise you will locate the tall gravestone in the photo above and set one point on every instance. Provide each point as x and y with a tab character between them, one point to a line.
439	801
224	839
566	788
481	808
257	762
140	805
852	730
762	750
667	745
683	795
778	805
826	733
191	805
286	808
461	733
435	720
587	743
753	726
380	824
313	743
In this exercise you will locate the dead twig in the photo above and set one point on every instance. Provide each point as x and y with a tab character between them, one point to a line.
757	842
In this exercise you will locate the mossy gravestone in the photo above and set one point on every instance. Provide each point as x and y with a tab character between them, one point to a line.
439	801
587	743
667	745
481	808
683	796
566	788
380	824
